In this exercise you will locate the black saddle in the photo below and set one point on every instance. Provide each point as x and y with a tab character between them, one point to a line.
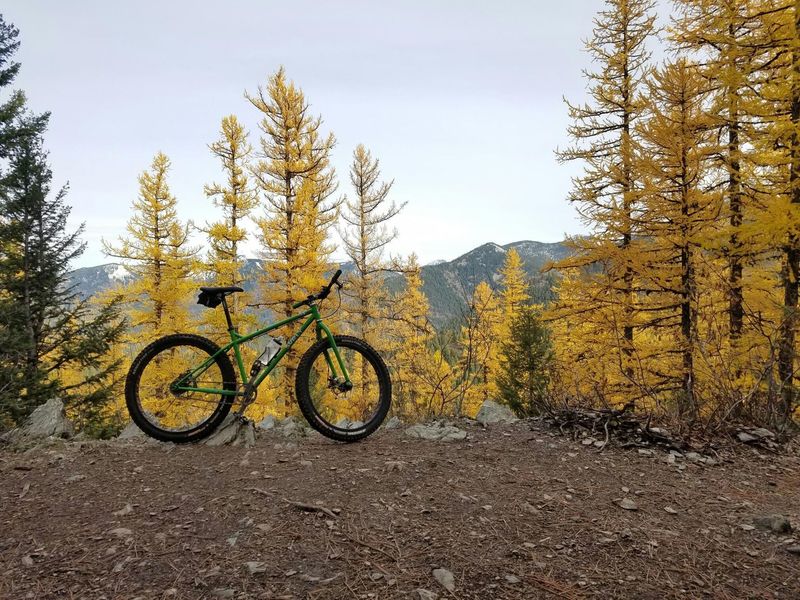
212	296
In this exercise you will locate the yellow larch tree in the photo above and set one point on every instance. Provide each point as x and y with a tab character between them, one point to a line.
725	38
480	345
513	290
679	215
421	377
606	193
156	252
236	198
780	187
297	183
365	235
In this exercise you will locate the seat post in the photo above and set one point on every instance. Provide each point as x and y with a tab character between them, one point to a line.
227	313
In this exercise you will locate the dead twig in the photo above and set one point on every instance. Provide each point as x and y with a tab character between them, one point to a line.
311	508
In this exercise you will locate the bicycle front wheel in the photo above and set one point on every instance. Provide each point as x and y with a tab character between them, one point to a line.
340	411
155	398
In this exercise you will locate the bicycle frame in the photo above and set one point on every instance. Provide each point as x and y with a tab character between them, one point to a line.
311	315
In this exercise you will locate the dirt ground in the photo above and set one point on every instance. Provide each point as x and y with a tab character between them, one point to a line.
512	512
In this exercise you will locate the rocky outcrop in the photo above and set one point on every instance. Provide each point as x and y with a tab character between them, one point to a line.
233	432
48	420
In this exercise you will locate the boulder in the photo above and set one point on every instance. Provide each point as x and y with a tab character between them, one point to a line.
446	433
47	420
491	412
233	432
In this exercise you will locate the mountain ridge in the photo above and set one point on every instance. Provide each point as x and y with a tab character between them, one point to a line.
447	284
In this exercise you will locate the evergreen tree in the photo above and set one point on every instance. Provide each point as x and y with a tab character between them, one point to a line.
524	375
295	178
47	328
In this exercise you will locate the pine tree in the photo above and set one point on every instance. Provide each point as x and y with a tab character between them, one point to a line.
157	254
236	198
524	376
47	328
296	180
365	237
606	193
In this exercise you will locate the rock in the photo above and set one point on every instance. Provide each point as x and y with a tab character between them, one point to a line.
393	423
76	478
762	433
492	412
48	420
445	579
267	423
660	431
512	579
447	433
223	592
793	549
292	427
233	432
746	437
254	567
125	510
348	424
628	504
131	432
774	523
423	594
121	532
695	457
670	510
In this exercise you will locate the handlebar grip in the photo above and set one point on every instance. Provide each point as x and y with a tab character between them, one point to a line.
335	277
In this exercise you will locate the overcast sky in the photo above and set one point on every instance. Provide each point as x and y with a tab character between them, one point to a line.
461	101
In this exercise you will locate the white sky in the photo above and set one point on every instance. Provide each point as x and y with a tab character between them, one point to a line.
461	101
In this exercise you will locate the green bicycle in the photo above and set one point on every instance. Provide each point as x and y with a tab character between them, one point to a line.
181	387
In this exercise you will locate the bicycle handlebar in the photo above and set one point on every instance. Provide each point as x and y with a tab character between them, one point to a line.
323	293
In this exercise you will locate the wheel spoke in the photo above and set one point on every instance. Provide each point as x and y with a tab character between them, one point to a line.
181	410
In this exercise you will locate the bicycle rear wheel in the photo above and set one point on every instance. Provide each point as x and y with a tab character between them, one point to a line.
338	411
171	415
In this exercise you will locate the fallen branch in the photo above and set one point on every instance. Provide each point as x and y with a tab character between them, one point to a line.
311	508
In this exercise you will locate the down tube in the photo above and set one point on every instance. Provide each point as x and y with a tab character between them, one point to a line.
282	352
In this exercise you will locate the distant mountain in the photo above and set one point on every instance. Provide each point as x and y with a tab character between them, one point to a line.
448	284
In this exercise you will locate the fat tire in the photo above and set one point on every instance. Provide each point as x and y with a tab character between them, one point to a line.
307	405
205	428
